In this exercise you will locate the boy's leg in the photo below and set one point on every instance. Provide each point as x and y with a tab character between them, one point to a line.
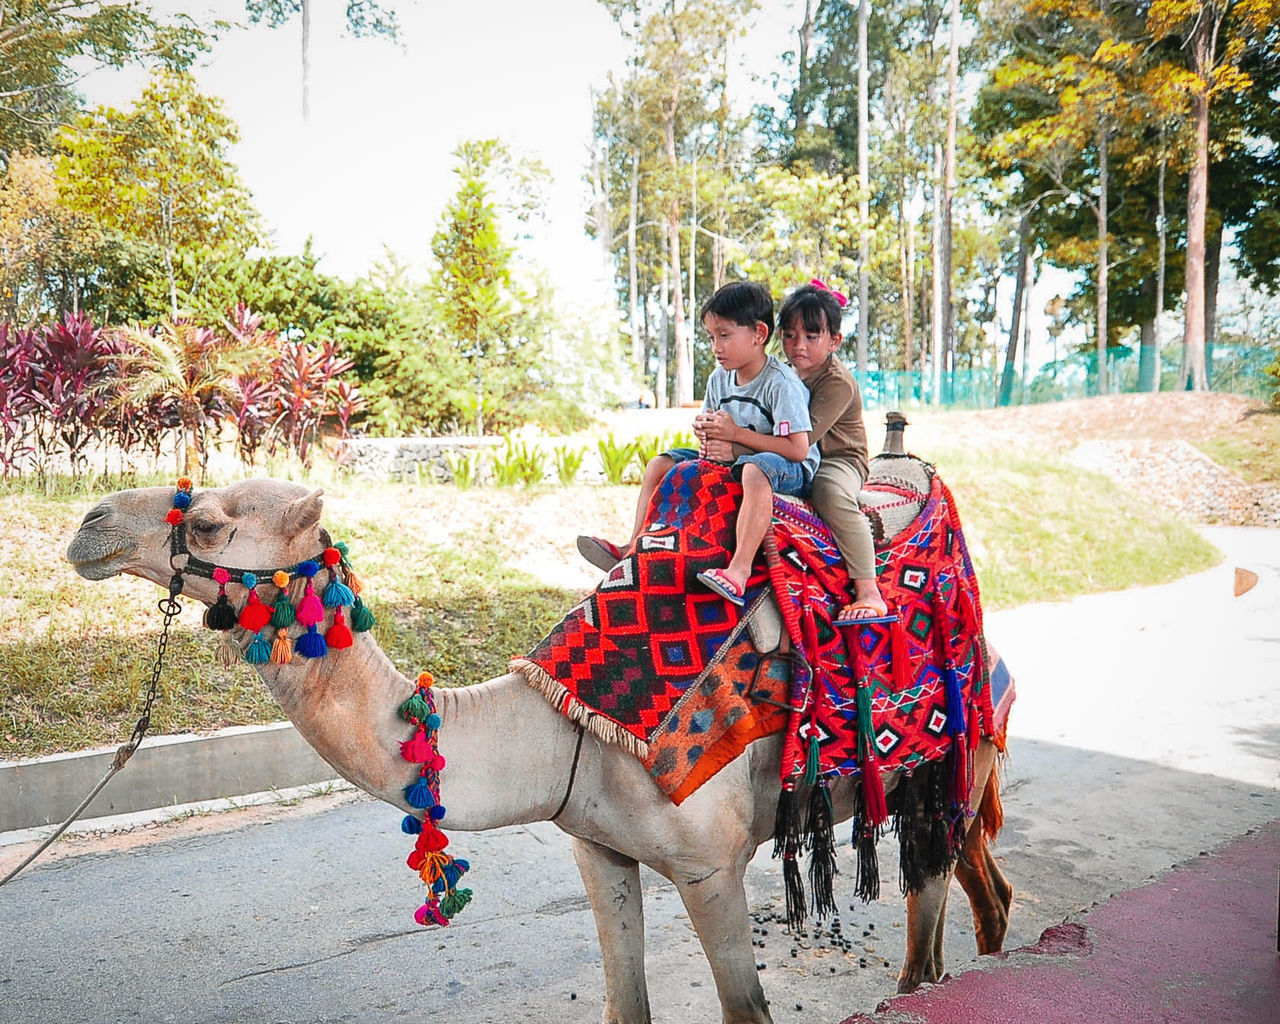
753	521
835	496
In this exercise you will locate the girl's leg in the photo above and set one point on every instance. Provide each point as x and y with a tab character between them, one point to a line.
835	496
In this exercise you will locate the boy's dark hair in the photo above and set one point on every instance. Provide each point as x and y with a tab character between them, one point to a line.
744	302
816	307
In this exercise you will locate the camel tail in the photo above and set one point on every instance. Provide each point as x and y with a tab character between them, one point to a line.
991	810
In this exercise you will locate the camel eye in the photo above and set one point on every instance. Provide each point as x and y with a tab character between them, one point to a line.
205	527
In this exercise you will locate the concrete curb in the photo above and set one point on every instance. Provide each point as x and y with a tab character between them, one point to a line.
164	772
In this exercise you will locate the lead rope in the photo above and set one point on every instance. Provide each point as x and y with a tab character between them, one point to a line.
170	607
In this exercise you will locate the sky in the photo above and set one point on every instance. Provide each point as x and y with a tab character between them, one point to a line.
372	167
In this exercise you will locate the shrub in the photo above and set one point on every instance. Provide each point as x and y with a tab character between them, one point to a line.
615	458
568	463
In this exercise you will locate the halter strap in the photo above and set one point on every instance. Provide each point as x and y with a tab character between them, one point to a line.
199	567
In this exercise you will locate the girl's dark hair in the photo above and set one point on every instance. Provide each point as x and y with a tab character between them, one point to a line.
816	307
744	302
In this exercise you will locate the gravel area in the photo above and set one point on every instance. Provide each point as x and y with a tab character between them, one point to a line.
1183	480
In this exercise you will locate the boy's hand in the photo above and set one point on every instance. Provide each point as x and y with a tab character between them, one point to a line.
715	426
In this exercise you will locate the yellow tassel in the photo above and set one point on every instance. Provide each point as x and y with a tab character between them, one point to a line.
353	581
281	649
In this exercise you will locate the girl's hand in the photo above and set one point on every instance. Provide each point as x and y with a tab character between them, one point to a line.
717	426
717	451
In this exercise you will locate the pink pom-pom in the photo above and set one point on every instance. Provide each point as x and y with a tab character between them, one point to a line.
436	763
220	575
429	913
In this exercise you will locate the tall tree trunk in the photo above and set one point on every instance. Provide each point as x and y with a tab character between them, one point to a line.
949	189
1015	328
633	274
683	351
799	112
306	60
1192	376
1102	338
911	288
1148	355
693	249
664	327
903	271
864	186
937	317
1149	363
1212	270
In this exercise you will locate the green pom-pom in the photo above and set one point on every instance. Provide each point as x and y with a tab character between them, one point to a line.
282	617
259	651
362	619
342	548
414	707
453	903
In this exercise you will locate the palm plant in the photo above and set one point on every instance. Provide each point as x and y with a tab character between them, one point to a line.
192	366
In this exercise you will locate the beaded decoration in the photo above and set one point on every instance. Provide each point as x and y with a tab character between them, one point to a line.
260	619
438	869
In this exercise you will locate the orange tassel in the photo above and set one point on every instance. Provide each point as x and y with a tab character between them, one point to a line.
281	649
353	581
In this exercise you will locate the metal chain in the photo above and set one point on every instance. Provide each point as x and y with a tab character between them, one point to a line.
170	607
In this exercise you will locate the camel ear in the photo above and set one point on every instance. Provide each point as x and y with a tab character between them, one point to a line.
302	514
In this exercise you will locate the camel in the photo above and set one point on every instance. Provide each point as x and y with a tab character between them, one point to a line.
345	705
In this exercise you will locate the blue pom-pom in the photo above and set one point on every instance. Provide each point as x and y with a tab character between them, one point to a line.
307	568
432	721
411	826
419	794
463	865
182	499
249	579
310	644
437	812
336	595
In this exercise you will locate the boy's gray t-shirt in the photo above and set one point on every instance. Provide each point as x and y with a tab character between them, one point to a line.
774	401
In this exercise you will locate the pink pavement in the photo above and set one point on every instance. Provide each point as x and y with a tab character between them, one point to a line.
1197	945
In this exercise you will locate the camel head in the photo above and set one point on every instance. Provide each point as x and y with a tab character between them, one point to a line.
251	524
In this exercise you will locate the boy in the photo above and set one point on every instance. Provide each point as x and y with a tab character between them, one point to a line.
752	400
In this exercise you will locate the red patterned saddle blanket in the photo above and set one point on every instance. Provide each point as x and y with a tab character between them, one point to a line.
654	661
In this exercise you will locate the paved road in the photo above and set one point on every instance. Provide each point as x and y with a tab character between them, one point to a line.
1147	729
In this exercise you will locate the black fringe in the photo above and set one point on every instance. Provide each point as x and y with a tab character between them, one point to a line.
820	828
905	804
867	878
789	843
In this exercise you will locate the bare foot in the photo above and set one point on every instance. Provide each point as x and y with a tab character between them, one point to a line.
866	604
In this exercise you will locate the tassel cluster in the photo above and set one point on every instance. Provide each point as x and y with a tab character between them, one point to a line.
439	870
269	624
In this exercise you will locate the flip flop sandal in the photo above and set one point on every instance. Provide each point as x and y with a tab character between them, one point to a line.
843	619
599	552
715	579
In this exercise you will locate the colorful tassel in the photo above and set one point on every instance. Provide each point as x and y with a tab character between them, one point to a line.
310	644
419	794
410	825
254	615
337	594
338	635
811	758
429	913
259	651
955	700
416	749
415	709
353	581
309	611
282	615
362	619
281	649
221	616
227	653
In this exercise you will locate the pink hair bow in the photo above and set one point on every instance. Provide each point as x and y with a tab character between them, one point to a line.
841	299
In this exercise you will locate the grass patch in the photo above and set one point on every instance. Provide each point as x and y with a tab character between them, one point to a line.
76	657
1255	456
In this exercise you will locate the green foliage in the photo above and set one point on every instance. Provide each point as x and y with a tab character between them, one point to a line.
161	174
568	462
519	463
615	457
645	447
464	467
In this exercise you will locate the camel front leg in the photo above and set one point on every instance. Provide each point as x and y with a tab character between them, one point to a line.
613	888
717	904
926	918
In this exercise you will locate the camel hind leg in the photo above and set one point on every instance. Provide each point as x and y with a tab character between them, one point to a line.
990	894
613	888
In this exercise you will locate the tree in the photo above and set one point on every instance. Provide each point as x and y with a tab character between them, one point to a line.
1216	36
160	174
43	46
364	18
189	365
